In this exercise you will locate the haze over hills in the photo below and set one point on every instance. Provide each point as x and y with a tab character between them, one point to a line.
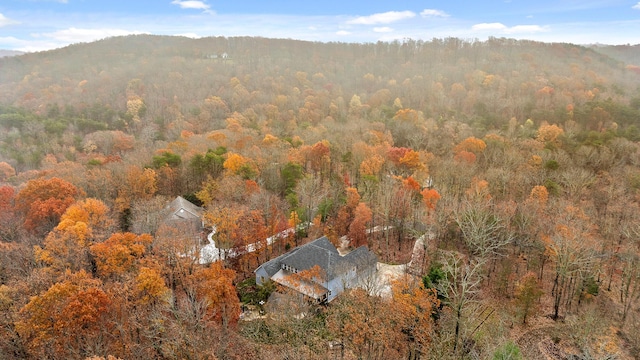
186	68
5	53
629	54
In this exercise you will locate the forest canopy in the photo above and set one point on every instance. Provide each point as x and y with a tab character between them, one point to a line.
505	174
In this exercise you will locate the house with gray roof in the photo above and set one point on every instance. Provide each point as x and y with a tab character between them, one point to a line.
183	209
317	270
184	216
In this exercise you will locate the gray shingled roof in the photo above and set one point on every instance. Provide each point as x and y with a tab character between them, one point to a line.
320	252
360	256
182	209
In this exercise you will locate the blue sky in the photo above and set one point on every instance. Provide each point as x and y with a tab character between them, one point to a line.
34	25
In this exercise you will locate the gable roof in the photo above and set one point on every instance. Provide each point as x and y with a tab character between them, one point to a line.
320	252
360	257
182	209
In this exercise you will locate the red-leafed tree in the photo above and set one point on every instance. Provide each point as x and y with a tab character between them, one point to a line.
43	201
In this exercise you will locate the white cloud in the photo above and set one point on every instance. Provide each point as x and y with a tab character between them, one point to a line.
384	29
526	29
192	4
433	13
518	29
382	18
10	40
636	6
4	21
75	35
343	33
488	26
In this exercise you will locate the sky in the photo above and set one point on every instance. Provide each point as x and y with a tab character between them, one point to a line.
37	25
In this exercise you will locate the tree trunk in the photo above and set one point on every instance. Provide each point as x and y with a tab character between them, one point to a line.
457	332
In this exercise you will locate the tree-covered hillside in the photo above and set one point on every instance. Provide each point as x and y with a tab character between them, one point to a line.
504	173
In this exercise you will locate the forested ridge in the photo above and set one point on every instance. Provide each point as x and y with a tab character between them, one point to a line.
513	164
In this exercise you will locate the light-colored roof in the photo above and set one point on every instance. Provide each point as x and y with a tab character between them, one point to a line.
182	209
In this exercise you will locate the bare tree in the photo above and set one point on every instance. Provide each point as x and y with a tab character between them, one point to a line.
310	193
460	287
572	247
484	232
148	214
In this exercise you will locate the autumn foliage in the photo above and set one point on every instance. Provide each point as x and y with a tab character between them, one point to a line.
119	253
72	314
213	286
430	198
518	159
357	229
43	201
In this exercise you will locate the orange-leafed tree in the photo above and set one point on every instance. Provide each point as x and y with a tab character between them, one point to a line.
213	288
470	144
7	195
411	185
362	325
43	201
67	246
430	198
358	227
253	236
138	184
8	222
117	255
372	165
319	154
6	171
69	320
142	183
411	161
345	214
395	154
413	311
408	115
92	212
151	287
235	162
549	133
226	222
538	197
